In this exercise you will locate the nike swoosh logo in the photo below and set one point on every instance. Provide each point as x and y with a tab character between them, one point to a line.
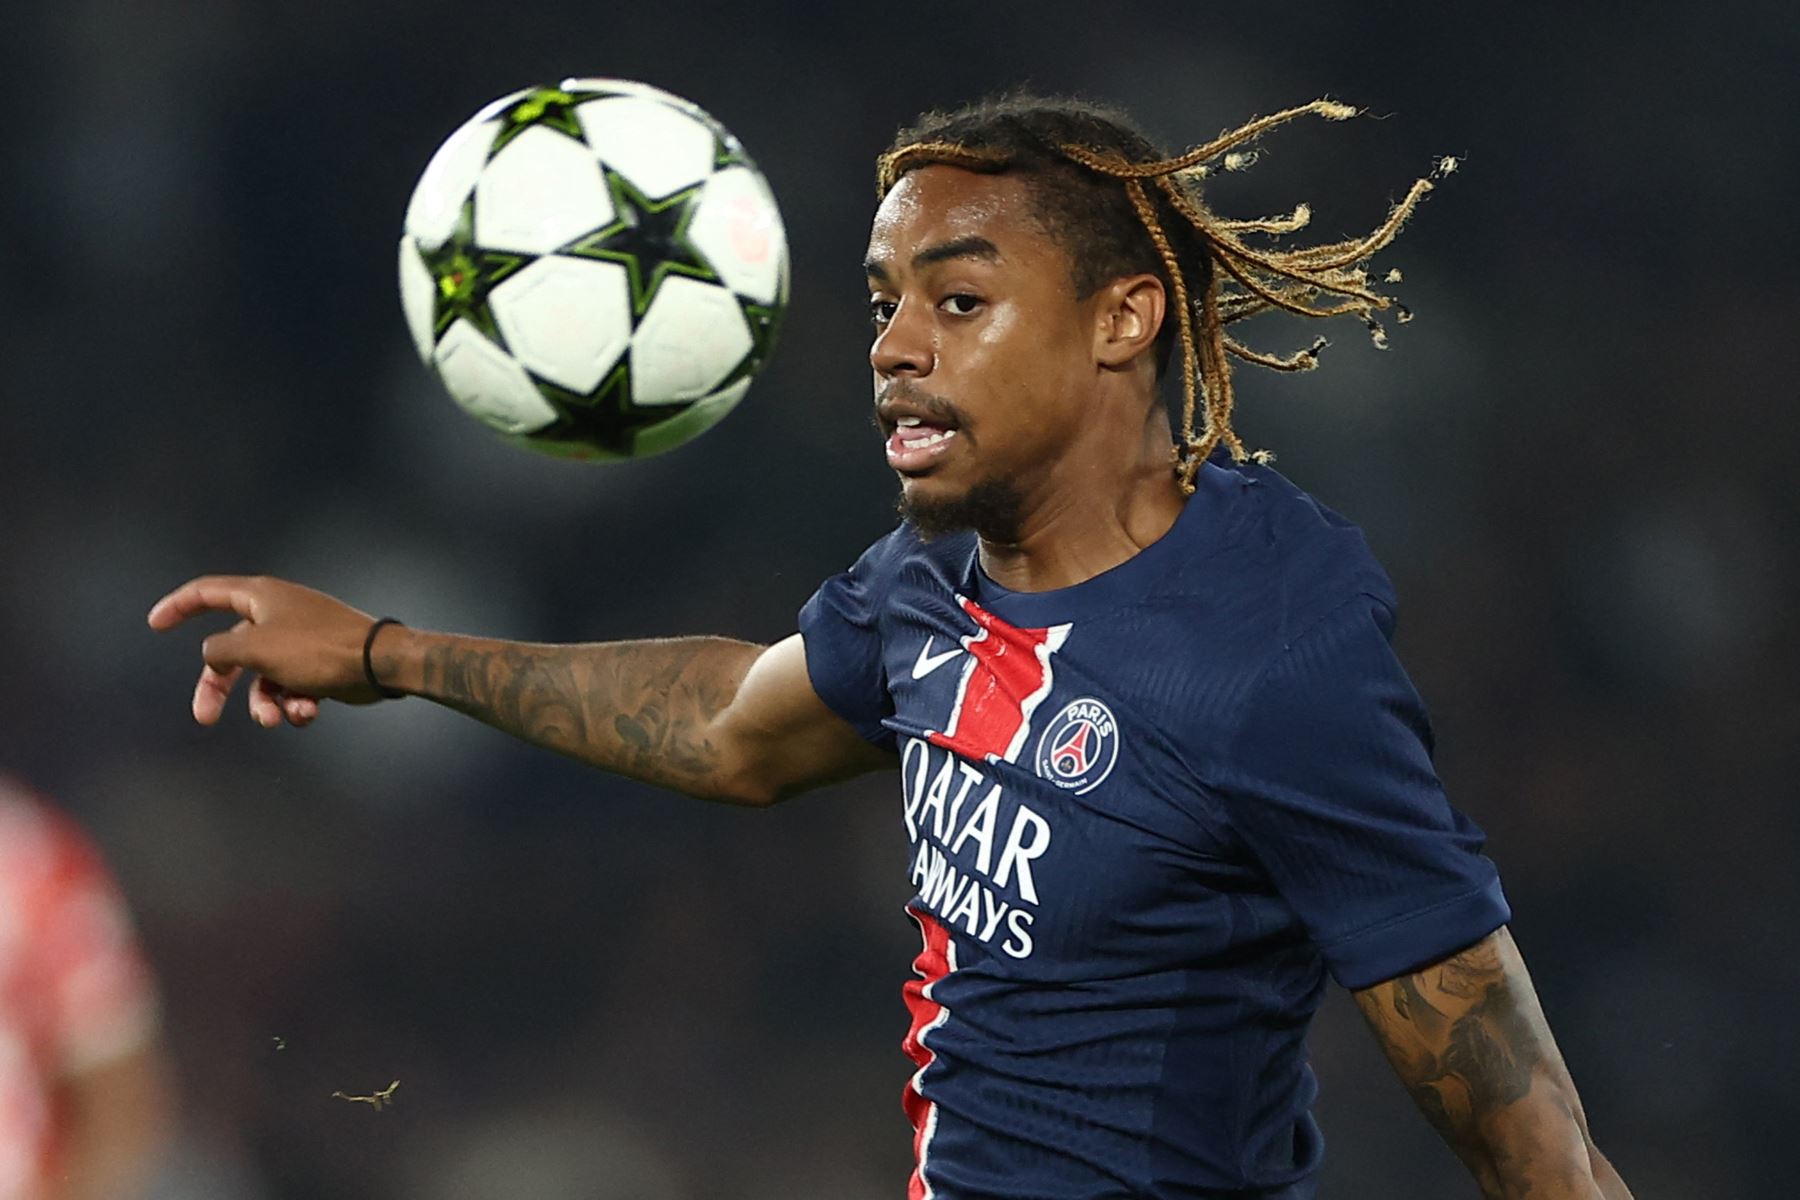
929	662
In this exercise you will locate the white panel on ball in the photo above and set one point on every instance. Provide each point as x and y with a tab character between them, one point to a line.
542	191
448	179
488	384
658	148
687	343
629	87
567	319
418	297
690	422
737	226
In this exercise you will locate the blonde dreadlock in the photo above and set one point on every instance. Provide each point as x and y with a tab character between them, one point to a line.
1241	279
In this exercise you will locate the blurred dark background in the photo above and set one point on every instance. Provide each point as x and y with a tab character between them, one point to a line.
1575	463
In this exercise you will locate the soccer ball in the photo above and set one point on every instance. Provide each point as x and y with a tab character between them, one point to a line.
594	269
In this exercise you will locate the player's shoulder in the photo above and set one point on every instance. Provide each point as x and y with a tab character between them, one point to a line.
1289	554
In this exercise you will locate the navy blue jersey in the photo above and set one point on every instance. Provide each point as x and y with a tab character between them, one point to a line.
1148	813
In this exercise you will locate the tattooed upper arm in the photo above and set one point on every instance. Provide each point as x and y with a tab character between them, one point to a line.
1469	1040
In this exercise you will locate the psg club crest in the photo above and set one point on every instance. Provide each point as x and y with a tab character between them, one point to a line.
1079	747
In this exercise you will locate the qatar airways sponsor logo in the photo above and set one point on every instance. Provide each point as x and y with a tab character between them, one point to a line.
973	851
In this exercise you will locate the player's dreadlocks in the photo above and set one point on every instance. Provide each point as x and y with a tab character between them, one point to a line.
1122	206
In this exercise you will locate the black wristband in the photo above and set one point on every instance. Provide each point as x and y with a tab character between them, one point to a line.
386	693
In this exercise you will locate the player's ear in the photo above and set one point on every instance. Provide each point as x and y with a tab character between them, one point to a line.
1128	315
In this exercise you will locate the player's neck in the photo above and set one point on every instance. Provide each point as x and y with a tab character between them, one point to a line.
1076	528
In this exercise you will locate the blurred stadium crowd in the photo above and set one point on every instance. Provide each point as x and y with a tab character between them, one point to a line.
1577	463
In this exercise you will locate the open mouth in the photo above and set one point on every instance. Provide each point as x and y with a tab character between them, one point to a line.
916	443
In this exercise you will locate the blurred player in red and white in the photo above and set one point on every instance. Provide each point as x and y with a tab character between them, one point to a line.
85	1100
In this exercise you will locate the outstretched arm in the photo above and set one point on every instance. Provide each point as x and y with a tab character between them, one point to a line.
1469	1040
716	718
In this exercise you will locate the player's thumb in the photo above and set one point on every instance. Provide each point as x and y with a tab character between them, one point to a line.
235	647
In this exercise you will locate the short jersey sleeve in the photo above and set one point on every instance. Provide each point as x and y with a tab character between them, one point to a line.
841	629
1329	781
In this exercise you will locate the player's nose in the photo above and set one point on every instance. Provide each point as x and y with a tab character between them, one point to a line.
903	347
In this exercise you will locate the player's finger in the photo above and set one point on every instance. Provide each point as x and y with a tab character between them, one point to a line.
296	709
230	648
211	693
209	593
300	711
265	702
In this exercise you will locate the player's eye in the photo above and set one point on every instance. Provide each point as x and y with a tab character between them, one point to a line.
962	304
881	311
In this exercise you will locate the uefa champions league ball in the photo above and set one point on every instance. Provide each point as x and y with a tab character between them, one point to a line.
595	270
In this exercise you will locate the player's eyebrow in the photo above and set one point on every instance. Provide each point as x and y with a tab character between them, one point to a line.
972	246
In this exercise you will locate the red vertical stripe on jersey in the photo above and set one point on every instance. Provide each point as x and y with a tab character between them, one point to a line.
1007	676
933	963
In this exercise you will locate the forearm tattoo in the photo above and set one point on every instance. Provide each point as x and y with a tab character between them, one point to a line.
1470	1042
639	708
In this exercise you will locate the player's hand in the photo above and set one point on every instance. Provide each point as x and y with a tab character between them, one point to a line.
301	645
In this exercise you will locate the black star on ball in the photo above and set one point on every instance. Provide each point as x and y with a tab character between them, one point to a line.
463	274
549	106
649	238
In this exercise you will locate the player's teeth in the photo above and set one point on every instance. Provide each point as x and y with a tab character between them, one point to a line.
908	422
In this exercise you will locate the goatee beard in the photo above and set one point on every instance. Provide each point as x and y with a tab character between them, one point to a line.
992	508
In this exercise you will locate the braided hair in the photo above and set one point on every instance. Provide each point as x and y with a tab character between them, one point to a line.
1122	206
